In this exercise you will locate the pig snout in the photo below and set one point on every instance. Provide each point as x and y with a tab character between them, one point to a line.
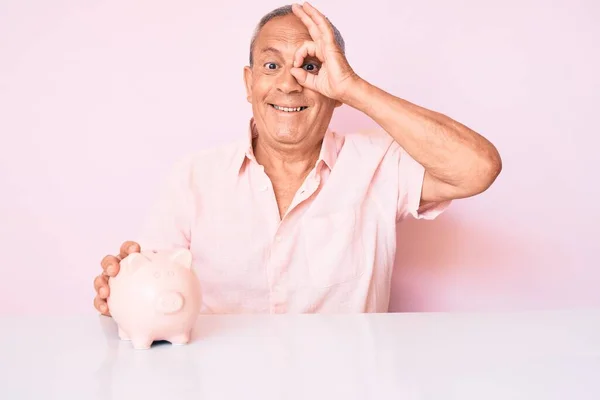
169	302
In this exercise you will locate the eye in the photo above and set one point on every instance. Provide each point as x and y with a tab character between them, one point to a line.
157	275
270	65
170	273
310	67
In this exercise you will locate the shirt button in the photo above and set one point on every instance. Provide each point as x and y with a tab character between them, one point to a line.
278	239
264	188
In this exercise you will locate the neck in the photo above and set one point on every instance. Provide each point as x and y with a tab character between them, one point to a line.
293	161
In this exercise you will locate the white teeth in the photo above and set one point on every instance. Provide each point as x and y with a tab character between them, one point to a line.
288	109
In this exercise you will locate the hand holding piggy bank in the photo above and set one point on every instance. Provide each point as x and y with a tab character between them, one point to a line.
155	296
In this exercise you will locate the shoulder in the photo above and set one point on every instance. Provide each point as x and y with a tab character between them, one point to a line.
220	155
371	141
209	160
378	148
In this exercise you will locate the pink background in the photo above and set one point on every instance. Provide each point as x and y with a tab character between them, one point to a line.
99	98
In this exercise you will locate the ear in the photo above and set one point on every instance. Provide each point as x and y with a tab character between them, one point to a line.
132	262
248	83
182	257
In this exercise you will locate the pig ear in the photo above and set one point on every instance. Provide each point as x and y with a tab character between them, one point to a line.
182	257
132	261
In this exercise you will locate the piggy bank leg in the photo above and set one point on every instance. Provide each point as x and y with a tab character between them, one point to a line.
180	339
141	342
123	335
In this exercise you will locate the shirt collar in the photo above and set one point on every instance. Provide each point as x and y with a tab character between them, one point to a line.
327	155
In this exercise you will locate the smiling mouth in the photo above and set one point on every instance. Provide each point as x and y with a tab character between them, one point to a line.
288	109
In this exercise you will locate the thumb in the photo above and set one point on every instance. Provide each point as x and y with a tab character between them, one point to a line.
304	78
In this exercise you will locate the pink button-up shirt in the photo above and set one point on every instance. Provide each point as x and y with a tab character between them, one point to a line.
334	249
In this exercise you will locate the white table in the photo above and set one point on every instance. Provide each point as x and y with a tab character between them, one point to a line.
541	355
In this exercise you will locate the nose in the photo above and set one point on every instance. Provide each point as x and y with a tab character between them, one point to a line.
287	83
169	302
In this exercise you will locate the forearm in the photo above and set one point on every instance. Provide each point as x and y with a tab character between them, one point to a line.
450	152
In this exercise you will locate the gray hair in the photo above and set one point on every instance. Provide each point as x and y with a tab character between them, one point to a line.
286	10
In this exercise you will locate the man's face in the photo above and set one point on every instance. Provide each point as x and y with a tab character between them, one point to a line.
270	86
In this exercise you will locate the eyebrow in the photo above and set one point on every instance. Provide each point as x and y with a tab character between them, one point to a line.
270	50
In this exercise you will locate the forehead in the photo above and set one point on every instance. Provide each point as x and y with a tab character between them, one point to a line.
281	32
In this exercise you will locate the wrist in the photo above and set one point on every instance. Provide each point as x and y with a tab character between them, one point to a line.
357	94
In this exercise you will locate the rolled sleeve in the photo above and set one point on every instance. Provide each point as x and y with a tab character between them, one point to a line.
410	186
168	222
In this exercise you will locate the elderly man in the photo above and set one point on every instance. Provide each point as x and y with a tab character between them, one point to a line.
295	218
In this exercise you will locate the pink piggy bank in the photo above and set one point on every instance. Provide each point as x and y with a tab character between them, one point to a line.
155	296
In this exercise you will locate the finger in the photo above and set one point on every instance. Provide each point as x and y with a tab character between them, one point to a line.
319	19
306	49
101	286
110	265
101	306
312	27
304	78
127	248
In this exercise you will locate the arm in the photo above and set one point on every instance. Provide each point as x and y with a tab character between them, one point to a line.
458	162
168	221
167	226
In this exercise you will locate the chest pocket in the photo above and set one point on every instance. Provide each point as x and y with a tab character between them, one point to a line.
333	247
